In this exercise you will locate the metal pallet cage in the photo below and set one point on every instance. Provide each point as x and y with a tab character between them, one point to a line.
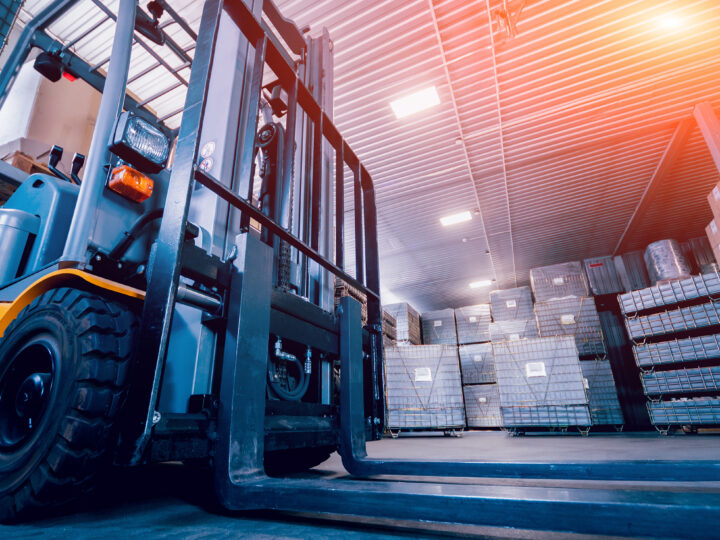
513	330
701	411
423	388
602	393
511	304
572	316
546	416
691	349
673	321
407	322
438	327
477	364
482	405
559	281
682	381
669	293
602	275
473	323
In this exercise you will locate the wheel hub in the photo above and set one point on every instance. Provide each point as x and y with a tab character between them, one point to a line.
31	394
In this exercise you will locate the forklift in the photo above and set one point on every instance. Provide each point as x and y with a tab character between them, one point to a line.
175	301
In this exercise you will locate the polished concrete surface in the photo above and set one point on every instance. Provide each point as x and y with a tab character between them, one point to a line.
172	501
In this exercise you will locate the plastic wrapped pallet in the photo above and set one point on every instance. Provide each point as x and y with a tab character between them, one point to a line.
407	322
532	372
572	316
602	276
558	281
682	381
602	393
670	292
473	324
664	260
438	327
698	253
511	304
423	389
648	355
674	321
512	330
631	271
482	405
698	411
476	363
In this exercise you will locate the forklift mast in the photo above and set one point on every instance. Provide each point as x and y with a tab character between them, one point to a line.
241	351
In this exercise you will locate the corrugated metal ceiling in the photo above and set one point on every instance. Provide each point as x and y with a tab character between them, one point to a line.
560	128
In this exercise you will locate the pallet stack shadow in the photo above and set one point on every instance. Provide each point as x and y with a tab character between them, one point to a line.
676	329
564	308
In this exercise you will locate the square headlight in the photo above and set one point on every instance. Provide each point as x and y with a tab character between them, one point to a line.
138	142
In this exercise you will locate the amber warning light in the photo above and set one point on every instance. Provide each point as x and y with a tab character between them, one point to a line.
131	184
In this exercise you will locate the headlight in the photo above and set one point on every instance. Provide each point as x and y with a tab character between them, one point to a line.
141	144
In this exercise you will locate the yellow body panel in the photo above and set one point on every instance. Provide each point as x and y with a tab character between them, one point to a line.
62	278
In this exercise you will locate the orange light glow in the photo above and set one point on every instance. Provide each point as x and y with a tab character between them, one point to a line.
670	22
131	184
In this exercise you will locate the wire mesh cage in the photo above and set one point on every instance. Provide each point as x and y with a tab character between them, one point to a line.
511	304
476	363
559	281
692	349
407	322
698	411
682	381
674	321
482	405
473	324
539	372
572	316
423	388
513	330
602	275
438	327
546	416
602	393
669	293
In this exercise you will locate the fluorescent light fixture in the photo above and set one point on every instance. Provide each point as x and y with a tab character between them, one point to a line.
456	218
481	283
415	102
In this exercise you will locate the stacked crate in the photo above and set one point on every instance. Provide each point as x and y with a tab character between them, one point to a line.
423	389
565	308
389	326
407	323
676	329
345	289
438	327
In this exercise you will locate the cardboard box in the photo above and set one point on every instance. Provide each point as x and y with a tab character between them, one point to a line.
713	234
714	202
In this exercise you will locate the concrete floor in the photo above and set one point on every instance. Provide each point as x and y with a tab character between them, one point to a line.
171	501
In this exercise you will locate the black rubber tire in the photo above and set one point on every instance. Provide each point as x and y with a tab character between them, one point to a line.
282	462
70	445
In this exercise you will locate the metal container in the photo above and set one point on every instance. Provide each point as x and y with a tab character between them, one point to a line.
546	416
602	393
670	292
438	327
533	372
674	321
682	381
664	260
407	322
559	281
698	411
473	324
699	252
692	349
572	316
476	363
603	276
482	405
423	389
511	304
16	227
512	330
631	270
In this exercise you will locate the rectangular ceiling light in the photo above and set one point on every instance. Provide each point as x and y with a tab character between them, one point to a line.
415	102
456	218
481	283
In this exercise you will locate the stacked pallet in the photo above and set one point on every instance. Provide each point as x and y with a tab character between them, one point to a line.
675	326
407	323
566	309
438	327
345	289
389	326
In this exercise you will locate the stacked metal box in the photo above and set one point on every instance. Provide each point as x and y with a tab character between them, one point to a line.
482	405
423	388
572	316
631	270
541	383
558	281
473	324
676	329
603	276
511	304
407	323
438	327
514	330
476	364
602	393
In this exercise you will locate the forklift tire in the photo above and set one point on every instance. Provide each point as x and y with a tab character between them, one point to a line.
64	366
281	462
